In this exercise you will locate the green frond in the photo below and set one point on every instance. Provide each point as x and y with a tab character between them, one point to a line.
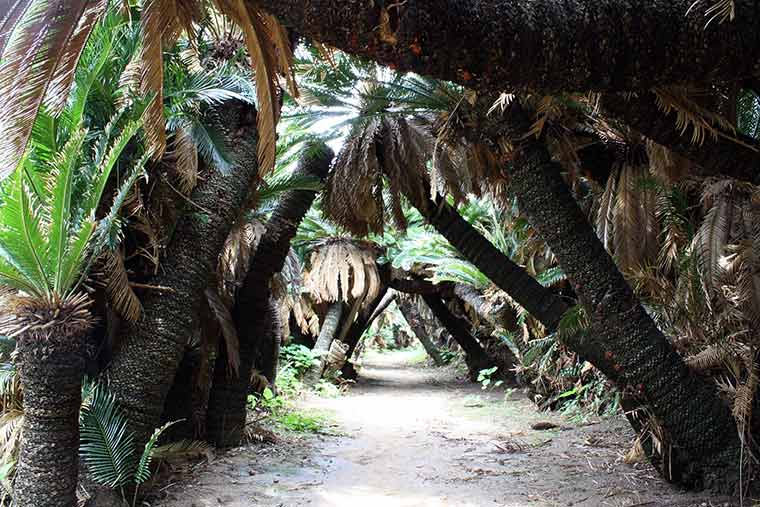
142	472
107	447
60	182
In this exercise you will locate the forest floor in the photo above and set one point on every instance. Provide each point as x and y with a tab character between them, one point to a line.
407	435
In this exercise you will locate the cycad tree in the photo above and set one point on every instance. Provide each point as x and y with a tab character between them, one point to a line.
49	236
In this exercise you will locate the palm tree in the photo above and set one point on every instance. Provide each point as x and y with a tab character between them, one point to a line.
142	371
227	402
50	237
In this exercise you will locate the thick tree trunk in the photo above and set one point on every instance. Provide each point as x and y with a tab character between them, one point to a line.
508	276
227	402
412	317
326	336
723	155
476	358
52	366
143	369
546	45
624	342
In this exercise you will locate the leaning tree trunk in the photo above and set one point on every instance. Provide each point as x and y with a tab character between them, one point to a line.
542	45
52	365
539	301
227	402
412	317
142	371
624	341
366	316
476	358
326	336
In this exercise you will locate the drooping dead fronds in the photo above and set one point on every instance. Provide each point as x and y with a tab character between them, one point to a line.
119	292
625	220
722	200
342	270
390	146
185	156
691	115
223	317
41	43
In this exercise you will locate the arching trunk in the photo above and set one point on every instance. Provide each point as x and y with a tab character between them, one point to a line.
326	336
142	371
476	358
542	45
624	341
540	302
51	369
412	317
367	315
227	402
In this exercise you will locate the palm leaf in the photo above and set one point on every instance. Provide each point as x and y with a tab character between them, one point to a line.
61	181
33	52
107	447
142	472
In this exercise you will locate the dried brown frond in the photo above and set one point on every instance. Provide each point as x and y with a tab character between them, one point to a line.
153	25
354	192
42	41
184	449
342	270
185	156
60	84
547	108
120	294
634	227
255	433
305	316
12	12
691	115
720	10
222	314
721	200
235	258
746	391
665	165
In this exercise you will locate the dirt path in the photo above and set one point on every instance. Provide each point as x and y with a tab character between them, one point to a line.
419	437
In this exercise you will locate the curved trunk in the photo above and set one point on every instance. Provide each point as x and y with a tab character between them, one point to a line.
322	347
475	357
412	317
52	366
366	316
501	45
507	275
227	402
142	371
623	341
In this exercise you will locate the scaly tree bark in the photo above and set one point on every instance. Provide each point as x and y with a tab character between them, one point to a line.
546	45
475	357
326	336
412	317
142	371
52	365
226	408
507	275
624	341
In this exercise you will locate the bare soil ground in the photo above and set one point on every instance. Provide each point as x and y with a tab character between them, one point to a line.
413	436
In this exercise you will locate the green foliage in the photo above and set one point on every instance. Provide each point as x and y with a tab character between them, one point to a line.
107	447
486	378
299	358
